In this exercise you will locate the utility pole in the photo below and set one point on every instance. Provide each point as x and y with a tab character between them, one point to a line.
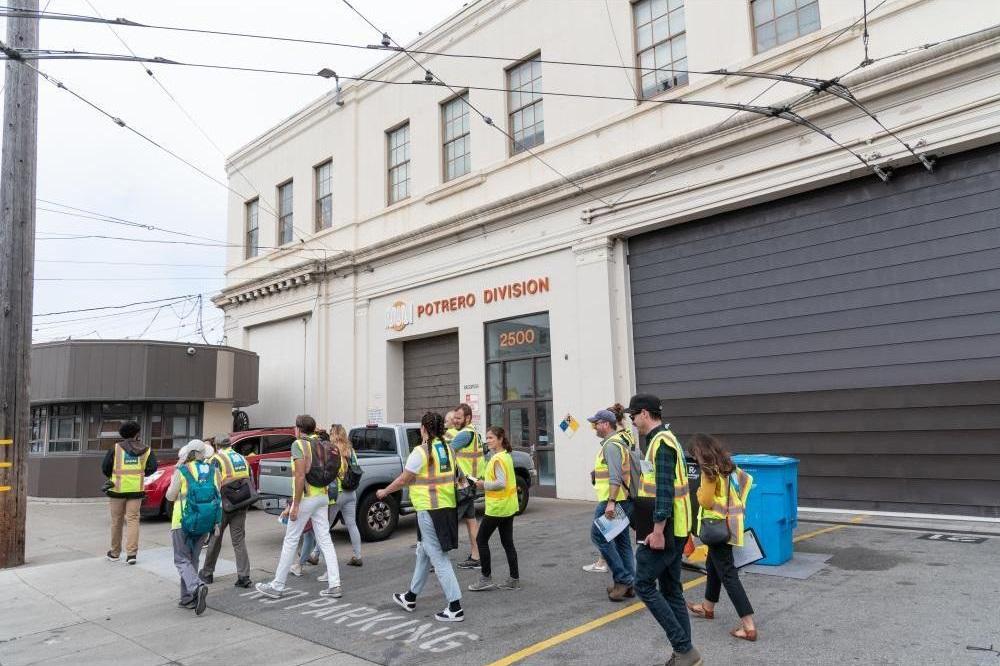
17	271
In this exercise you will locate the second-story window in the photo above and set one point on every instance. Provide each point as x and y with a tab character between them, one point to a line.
253	229
324	195
398	143
526	123
661	44
285	225
457	147
778	21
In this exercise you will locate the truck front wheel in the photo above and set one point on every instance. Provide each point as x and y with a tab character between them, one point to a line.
522	494
377	519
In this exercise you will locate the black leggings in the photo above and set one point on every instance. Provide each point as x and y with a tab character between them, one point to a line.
489	525
722	571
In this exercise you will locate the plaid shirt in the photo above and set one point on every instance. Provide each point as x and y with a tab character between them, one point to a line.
666	461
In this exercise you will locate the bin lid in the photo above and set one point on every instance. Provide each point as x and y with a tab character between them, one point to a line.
763	459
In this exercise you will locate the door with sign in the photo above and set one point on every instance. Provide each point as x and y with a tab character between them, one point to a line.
519	389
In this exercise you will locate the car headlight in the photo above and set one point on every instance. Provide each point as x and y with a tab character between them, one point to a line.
152	478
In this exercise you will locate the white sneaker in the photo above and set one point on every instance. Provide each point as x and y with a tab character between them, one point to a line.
269	590
596	568
322	578
450	616
296	569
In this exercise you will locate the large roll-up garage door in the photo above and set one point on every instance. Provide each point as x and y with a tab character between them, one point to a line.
281	346
430	376
855	327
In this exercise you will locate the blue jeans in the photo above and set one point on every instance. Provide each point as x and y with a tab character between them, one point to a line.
617	553
428	553
666	603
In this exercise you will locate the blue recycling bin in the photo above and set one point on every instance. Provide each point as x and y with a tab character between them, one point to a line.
772	507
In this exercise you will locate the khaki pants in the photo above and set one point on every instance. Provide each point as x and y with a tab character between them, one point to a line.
124	511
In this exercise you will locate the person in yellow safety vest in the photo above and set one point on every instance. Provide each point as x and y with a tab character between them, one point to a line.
232	467
468	449
613	477
722	495
658	557
500	486
127	465
430	473
624	432
194	456
309	503
451	428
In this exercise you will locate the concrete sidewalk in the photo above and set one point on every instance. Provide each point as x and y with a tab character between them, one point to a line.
92	611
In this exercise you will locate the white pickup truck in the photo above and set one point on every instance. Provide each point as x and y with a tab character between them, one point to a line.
382	451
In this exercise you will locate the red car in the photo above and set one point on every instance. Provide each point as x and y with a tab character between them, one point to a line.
258	444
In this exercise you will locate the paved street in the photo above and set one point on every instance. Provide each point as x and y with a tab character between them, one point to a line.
885	596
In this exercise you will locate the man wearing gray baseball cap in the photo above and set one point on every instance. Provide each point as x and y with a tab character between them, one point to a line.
612	478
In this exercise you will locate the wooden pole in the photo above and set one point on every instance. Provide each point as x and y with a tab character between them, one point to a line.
17	261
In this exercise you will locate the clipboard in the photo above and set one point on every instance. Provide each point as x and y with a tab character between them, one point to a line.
751	551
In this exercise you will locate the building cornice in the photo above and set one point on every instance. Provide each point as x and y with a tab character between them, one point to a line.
279	282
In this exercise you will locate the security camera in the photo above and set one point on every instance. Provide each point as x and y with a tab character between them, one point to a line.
191	351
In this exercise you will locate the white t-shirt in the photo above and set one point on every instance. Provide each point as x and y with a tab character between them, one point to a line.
415	461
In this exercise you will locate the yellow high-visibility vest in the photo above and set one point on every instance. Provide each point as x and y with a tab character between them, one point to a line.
434	487
503	502
471	459
128	471
682	491
730	505
196	468
449	435
627	437
602	477
232	465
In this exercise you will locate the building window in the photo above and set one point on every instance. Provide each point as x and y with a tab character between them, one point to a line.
39	422
324	196
106	420
285	224
525	103
457	145
519	387
253	228
172	425
65	428
661	44
778	21
398	143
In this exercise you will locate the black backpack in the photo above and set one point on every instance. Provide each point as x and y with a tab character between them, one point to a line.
324	463
352	477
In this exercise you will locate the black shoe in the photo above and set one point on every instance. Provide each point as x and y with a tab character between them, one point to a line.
111	556
130	559
206	578
200	596
186	604
408	606
469	564
243	582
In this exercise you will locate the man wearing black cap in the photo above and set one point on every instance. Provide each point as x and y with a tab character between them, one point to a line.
612	480
658	558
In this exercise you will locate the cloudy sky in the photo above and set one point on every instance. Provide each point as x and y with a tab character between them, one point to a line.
86	162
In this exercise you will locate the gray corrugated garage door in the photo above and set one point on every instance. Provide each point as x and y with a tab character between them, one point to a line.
430	376
855	327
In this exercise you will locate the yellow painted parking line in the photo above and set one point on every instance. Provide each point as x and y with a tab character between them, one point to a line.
4	489
625	612
6	464
6	442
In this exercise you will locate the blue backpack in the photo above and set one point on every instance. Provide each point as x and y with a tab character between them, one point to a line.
203	505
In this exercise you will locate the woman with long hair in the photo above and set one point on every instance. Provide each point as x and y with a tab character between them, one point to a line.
723	486
500	485
430	473
347	500
624	431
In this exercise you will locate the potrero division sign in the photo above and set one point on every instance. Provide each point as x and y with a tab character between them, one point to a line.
401	314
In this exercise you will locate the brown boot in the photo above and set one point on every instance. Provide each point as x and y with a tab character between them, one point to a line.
617	592
630	592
